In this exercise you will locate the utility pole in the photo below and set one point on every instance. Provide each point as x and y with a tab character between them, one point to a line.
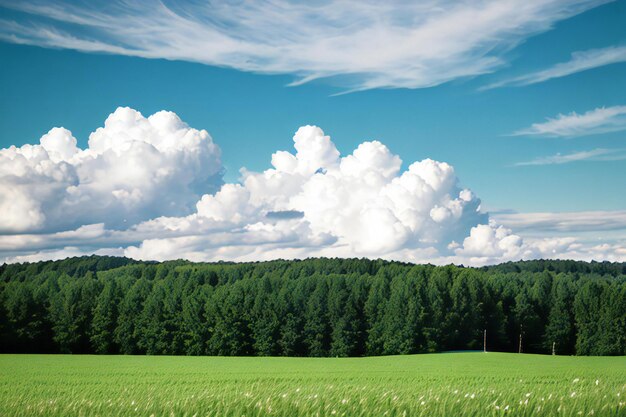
521	331
553	348
485	341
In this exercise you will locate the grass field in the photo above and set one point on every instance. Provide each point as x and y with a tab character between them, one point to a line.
451	384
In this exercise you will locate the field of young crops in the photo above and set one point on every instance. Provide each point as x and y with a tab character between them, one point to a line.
449	384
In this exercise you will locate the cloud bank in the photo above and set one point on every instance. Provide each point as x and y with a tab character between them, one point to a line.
592	122
361	45
151	188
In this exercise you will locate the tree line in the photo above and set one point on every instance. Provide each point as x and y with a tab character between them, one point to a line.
314	307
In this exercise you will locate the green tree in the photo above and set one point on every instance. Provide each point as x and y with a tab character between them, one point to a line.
588	314
560	331
105	319
375	308
127	333
316	328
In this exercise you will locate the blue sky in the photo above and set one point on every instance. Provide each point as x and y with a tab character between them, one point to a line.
250	115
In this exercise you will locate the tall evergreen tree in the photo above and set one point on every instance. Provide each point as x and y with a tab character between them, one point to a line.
105	319
127	333
560	331
316	328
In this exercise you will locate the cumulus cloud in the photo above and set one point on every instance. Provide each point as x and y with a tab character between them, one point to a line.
599	154
362	45
592	122
360	203
580	61
163	178
135	168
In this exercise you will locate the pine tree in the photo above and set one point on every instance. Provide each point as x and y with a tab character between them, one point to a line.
560	331
105	319
316	329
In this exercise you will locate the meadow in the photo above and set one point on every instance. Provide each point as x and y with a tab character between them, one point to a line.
446	384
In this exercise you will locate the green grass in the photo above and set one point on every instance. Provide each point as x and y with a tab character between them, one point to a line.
452	384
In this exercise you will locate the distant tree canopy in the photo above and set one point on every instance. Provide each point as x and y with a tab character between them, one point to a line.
314	307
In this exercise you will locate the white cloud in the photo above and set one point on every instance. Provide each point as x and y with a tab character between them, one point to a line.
580	61
361	203
599	154
134	169
490	244
568	222
62	253
592	122
313	202
363	45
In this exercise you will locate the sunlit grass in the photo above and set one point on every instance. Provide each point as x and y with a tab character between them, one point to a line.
455	384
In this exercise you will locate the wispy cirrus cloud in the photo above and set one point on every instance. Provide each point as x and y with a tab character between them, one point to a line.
592	122
362	45
572	222
599	154
580	61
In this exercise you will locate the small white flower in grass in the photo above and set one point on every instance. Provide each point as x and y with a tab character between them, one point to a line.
506	408
344	401
573	394
576	380
528	394
497	407
597	381
423	402
472	396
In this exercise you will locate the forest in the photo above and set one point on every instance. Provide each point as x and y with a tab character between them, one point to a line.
313	307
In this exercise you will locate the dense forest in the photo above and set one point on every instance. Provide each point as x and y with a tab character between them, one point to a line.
314	307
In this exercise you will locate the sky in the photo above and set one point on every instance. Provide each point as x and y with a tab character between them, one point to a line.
396	112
